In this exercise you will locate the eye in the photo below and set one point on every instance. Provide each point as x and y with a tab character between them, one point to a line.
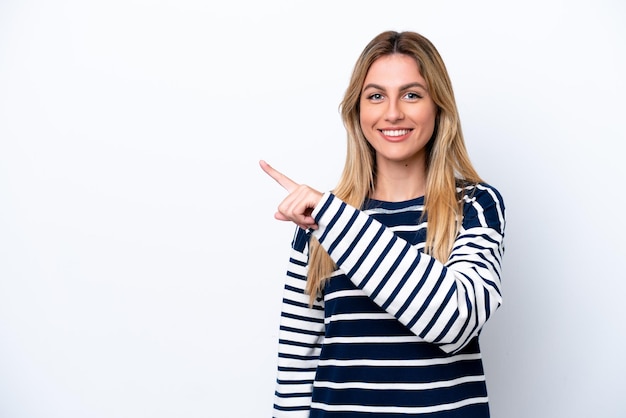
375	97
412	96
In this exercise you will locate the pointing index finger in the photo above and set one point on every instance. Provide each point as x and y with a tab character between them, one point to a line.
280	178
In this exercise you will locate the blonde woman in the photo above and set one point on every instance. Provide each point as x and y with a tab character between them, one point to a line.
393	273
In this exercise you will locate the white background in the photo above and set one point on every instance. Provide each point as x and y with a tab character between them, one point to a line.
141	268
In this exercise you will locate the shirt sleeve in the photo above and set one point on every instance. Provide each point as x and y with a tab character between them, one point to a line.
446	304
300	337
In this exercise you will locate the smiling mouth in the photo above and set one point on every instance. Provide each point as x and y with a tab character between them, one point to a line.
395	132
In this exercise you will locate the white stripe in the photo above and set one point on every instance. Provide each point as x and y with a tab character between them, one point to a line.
303	311
394	362
498	206
295	382
378	340
344	293
358	317
298	351
299	337
414	208
301	364
405	228
301	325
333	233
359	248
399	386
291	402
298	297
377	249
392	284
295	282
399	409
432	307
294	388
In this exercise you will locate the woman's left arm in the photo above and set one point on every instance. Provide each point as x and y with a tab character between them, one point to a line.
446	304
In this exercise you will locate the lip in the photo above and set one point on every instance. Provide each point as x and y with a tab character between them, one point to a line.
395	134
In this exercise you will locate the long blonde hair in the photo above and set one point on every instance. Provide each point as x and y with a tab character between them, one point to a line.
447	161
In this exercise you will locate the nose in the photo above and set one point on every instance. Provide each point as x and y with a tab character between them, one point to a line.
394	111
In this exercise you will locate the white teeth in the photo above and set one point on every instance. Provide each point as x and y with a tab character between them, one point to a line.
396	132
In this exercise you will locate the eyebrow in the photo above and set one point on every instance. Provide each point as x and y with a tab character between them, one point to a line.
404	87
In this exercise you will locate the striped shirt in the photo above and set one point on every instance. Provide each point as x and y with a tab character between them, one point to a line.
396	331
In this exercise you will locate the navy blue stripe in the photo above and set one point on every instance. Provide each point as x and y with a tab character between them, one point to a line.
378	261
428	298
296	330
402	282
297	357
358	237
468	305
445	330
333	220
294	289
367	251
390	351
479	410
297	262
302	318
400	374
296	276
438	312
290	395
324	208
298	343
291	408
401	398
295	303
390	272
342	234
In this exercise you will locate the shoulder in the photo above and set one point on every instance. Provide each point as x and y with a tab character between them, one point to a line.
480	192
483	206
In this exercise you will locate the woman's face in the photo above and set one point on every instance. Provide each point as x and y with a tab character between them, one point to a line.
397	114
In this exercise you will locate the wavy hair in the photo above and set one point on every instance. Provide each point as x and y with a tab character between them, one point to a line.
448	161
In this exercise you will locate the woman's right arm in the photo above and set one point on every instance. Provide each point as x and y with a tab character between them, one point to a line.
300	337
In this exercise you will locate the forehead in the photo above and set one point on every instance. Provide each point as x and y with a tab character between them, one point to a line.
392	70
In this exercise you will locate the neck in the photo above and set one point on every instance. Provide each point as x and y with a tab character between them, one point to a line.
398	182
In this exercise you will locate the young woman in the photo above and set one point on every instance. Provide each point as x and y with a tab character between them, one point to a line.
393	274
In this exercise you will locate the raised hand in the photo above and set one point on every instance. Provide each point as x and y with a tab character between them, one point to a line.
300	202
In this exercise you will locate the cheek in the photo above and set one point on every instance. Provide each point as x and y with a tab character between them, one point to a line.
366	118
430	117
432	121
367	127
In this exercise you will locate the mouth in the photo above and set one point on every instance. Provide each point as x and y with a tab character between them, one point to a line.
395	133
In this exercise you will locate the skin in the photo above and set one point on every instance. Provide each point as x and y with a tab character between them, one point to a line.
300	202
397	116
